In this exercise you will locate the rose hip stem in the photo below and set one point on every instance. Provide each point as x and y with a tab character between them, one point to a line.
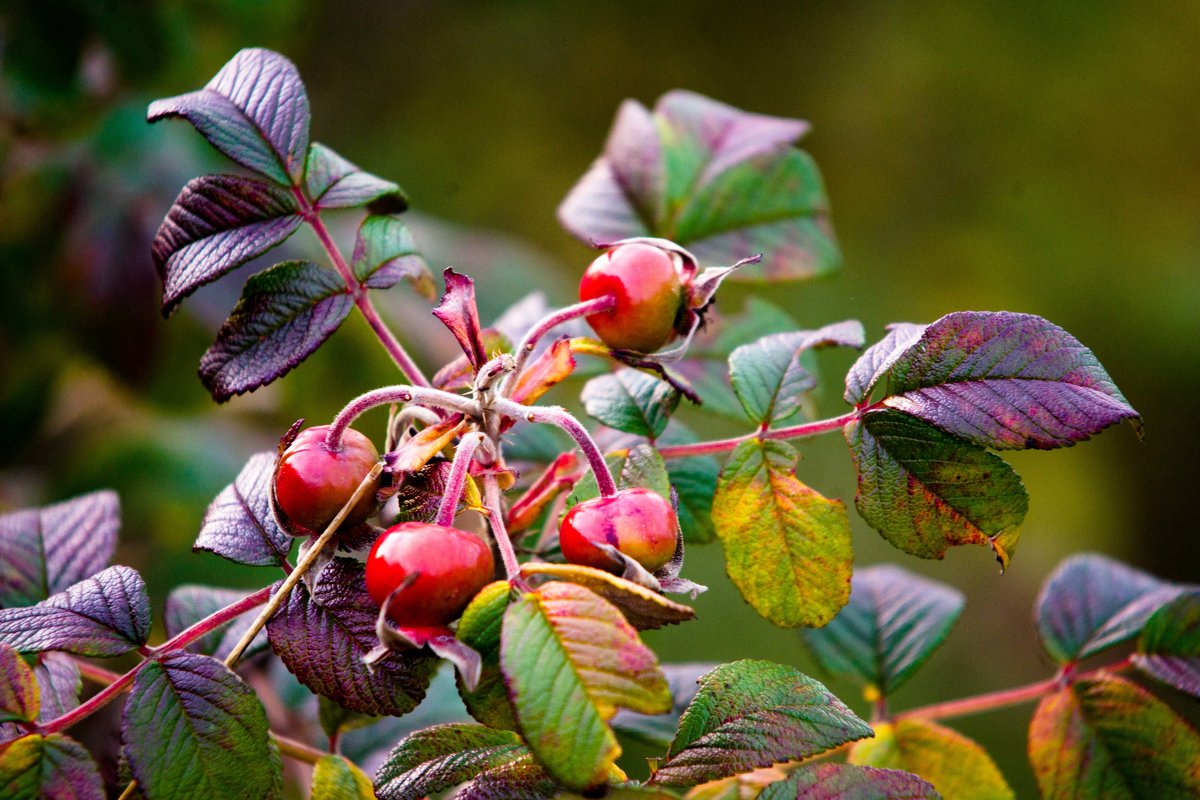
399	393
458	478
544	326
554	415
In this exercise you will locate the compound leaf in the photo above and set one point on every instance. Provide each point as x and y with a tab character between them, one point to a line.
926	491
322	638
218	223
1007	381
239	524
892	624
192	728
255	111
787	548
105	615
1091	602
1109	738
19	696
385	253
285	313
45	550
440	757
35	767
333	182
188	604
335	778
629	400
751	714
878	359
1169	647
956	766
849	782
720	181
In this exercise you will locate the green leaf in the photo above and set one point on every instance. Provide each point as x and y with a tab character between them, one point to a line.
750	714
1169	647
956	766
479	629
192	728
442	756
926	491
335	778
768	377
20	700
892	624
1109	738
385	253
36	767
629	400
849	782
569	660
695	483
639	466
333	182
787	548
336	719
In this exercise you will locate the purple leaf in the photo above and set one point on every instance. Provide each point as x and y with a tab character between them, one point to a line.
37	767
59	684
192	728
849	782
1169	647
1091	602
105	615
1006	381
385	253
878	359
443	756
239	524
286	312
457	312
333	182
322	639
188	604
892	624
18	688
254	110
218	223
45	550
421	494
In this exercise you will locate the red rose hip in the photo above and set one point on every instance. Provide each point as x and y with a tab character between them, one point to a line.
638	522
313	482
453	566
645	282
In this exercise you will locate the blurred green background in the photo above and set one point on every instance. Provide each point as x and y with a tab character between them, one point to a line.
994	155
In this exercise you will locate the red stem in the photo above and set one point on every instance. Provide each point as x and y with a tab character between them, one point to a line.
214	621
92	704
791	432
982	702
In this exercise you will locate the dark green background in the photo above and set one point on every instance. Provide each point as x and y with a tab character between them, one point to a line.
994	155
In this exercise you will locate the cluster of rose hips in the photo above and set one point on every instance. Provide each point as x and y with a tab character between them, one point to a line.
425	573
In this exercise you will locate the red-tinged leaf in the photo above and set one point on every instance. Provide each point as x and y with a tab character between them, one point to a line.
849	782
59	684
657	730
218	223
523	779
878	359
457	312
1169	647
751	714
787	548
642	608
723	182
560	476
285	313
1091	602
188	604
926	491
1007	381
255	111
192	728
460	373
19	696
385	253
323	637
553	365
37	767
334	182
106	615
239	523
417	451
768	377
956	766
892	624
1109	739
443	756
45	550
479	628
421	494
336	778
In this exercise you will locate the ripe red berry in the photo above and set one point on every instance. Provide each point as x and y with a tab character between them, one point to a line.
645	282
453	566
313	482
638	522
